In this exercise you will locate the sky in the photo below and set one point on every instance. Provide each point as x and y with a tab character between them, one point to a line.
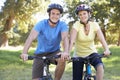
57	1
52	1
1	3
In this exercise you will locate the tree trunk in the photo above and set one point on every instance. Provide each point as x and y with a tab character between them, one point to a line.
3	34
104	32
118	44
3	40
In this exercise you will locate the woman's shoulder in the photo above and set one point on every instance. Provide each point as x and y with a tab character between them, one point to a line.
94	23
77	22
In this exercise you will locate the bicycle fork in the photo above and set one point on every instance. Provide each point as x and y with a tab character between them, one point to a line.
88	72
88	68
88	75
45	71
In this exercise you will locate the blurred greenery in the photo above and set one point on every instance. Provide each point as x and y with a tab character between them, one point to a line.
17	18
13	68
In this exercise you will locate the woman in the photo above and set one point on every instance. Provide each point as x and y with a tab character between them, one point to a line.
83	34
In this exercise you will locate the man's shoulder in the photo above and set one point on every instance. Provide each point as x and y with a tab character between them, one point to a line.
62	22
40	24
43	21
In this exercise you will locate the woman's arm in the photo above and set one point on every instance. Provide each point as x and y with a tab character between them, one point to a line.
103	42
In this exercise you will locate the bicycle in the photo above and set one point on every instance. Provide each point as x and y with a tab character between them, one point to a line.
87	73
46	73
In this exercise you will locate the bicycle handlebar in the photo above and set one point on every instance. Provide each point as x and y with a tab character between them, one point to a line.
44	57
88	57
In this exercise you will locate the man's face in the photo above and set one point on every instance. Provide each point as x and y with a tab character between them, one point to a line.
54	15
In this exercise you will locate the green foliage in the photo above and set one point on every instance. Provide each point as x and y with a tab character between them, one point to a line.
22	12
71	5
13	68
102	10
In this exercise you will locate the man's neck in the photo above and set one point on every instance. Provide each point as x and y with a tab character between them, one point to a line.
52	24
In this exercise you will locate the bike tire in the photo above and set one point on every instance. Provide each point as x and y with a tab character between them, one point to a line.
89	78
47	78
85	77
50	77
94	77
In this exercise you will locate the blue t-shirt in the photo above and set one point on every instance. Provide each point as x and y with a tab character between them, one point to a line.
49	38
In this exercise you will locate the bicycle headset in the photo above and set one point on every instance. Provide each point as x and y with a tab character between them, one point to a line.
54	6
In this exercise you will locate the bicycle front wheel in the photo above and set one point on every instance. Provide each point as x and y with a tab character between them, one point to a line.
89	78
47	78
50	77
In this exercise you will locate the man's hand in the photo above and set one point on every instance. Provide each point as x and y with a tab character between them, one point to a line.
64	56
24	56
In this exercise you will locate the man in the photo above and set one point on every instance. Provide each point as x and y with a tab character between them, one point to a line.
49	33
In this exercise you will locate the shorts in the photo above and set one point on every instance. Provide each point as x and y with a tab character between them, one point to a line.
78	66
37	69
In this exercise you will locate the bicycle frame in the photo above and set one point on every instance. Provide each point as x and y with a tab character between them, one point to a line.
46	73
87	74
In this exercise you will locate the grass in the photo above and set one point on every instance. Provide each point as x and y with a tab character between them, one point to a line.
13	68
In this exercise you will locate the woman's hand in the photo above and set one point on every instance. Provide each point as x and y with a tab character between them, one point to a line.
107	52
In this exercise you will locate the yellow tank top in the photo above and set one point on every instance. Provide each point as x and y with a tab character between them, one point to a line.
84	44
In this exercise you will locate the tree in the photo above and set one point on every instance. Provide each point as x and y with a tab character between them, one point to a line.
71	5
105	12
101	13
19	11
115	20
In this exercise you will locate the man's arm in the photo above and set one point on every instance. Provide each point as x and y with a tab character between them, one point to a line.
73	35
65	40
33	35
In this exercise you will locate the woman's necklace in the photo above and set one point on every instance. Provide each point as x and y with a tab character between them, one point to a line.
86	29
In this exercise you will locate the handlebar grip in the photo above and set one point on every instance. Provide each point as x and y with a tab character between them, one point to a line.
30	57
57	56
104	54
110	53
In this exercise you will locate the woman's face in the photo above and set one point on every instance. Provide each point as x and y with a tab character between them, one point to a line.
54	15
84	16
